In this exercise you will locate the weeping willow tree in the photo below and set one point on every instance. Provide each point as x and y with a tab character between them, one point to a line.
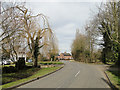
50	50
53	50
34	29
37	32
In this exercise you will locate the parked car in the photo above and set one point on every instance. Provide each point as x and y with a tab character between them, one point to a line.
30	60
6	62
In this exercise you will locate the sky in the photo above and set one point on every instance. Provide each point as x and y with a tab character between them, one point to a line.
65	18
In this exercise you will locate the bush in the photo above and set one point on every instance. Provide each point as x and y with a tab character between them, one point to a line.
29	67
20	64
39	66
10	69
44	63
26	72
27	59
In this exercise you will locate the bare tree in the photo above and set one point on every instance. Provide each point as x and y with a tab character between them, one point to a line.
10	25
18	22
80	47
106	23
108	17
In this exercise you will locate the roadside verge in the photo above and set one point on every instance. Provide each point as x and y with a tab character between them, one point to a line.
109	77
113	79
36	77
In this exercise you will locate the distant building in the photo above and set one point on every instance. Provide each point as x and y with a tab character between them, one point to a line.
64	56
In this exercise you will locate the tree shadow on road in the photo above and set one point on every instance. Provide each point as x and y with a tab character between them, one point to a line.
113	87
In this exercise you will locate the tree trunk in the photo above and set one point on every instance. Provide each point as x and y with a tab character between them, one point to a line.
104	56
35	63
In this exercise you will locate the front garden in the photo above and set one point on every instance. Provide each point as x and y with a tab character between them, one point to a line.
12	76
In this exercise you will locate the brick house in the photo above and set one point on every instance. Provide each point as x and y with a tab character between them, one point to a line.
64	56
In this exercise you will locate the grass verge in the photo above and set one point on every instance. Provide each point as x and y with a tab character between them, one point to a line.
11	77
39	73
114	77
46	63
50	62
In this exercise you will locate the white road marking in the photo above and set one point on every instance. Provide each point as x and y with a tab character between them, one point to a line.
77	73
75	76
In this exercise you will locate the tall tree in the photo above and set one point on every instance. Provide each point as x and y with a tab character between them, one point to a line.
10	25
106	23
33	32
31	28
108	17
80	47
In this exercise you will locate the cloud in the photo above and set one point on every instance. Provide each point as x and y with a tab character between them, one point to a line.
54	0
65	36
64	18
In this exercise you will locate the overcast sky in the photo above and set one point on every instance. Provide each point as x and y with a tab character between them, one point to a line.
65	18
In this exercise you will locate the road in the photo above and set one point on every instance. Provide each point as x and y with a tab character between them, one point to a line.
73	75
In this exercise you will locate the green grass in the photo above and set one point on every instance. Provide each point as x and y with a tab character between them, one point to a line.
29	64
45	63
50	62
8	65
114	77
10	77
110	63
39	73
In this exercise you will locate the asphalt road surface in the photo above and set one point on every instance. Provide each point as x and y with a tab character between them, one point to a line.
73	75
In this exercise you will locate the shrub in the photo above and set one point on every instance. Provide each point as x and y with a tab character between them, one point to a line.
10	69
20	64
26	72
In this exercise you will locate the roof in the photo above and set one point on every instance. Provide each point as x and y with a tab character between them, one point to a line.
66	54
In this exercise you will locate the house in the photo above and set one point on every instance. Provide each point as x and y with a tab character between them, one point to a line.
64	56
20	54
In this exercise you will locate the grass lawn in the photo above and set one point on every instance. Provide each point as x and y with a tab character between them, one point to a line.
114	77
29	64
39	73
8	65
46	63
10	77
50	62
